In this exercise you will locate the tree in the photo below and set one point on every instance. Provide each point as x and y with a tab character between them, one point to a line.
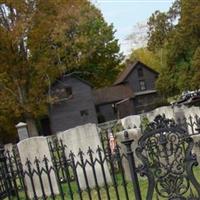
24	51
147	57
159	28
89	45
138	37
180	41
41	40
138	41
196	72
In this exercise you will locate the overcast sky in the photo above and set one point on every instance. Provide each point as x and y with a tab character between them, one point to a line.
125	14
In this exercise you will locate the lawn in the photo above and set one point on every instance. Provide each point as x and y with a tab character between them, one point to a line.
143	186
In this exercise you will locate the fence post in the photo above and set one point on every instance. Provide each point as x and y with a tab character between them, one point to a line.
130	155
7	179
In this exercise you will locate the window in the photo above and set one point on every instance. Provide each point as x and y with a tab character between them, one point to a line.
84	113
142	85
140	72
68	91
60	94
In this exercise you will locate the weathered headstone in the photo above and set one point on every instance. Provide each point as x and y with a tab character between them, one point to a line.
191	112
134	134
196	148
8	148
179	115
166	110
30	149
83	137
131	122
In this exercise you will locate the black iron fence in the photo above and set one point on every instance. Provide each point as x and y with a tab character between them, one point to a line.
96	173
6	185
32	180
190	124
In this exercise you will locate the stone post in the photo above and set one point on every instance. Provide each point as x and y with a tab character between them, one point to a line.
22	130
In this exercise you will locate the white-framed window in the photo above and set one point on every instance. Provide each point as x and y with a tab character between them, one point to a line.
142	85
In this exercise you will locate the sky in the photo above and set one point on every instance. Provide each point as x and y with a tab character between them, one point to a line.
125	14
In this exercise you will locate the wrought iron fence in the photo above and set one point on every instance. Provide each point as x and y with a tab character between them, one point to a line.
73	173
165	150
190	124
67	169
6	187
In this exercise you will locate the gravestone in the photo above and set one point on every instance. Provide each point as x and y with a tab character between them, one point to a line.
131	122
191	112
179	115
83	137
196	148
30	149
134	134
8	148
166	110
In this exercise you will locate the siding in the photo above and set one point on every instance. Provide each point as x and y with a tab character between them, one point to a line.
149	78
66	114
124	109
107	111
145	103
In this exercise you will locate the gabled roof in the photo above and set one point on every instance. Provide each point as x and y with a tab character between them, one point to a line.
61	78
129	69
112	94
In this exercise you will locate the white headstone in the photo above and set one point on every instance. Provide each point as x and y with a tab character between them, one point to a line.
83	137
179	114
30	149
191	111
131	122
196	148
8	148
166	110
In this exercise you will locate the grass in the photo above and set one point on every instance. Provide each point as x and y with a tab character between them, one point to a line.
143	187
102	191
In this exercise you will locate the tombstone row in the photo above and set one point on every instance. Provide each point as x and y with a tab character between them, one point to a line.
33	151
81	137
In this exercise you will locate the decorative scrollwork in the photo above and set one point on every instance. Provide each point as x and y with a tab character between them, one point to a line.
159	122
165	151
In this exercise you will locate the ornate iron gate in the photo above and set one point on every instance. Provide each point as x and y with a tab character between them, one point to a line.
167	161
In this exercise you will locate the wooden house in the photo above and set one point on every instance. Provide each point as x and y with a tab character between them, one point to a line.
77	103
72	106
132	93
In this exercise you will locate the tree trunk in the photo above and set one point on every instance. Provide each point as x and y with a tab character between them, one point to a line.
32	130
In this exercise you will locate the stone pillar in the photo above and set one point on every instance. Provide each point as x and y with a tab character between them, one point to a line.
22	130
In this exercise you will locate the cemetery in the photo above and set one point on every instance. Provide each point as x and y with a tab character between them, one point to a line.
107	162
99	100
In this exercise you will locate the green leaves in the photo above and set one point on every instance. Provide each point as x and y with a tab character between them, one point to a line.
41	40
178	33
